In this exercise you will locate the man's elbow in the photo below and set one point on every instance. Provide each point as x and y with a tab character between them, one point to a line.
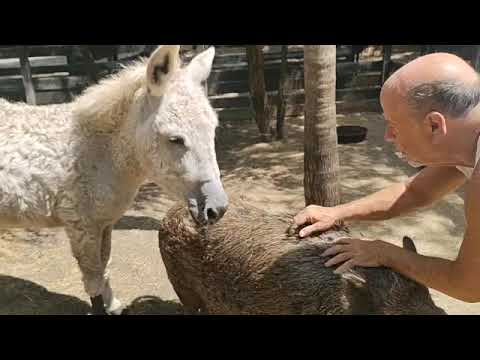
470	297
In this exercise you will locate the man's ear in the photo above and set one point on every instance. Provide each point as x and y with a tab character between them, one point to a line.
437	123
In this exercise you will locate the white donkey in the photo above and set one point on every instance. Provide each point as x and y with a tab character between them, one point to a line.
80	165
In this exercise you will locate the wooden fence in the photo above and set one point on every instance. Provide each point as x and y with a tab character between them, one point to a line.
46	74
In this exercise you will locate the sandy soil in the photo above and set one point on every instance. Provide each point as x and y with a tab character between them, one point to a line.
39	276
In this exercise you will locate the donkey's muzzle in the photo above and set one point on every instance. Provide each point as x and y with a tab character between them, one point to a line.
210	204
215	214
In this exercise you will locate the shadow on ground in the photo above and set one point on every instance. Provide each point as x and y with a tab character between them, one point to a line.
152	305
23	297
137	223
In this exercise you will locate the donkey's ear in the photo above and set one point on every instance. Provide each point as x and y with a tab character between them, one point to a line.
161	65
201	65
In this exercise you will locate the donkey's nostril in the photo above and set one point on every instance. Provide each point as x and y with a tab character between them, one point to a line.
215	214
212	214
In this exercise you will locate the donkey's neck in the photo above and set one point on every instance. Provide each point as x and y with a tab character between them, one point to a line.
105	107
127	158
105	110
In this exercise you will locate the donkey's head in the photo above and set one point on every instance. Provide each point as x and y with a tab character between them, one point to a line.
177	134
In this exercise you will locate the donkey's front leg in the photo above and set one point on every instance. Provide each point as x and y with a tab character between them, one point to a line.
91	247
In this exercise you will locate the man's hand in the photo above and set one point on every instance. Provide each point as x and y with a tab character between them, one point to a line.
356	252
321	218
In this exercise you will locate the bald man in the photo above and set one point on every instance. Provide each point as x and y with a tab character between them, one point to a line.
432	110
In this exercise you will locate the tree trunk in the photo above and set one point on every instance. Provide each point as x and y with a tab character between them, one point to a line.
281	105
321	155
258	92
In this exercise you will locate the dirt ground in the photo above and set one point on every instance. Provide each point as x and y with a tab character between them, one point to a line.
39	276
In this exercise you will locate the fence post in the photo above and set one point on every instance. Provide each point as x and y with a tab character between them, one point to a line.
387	54
27	76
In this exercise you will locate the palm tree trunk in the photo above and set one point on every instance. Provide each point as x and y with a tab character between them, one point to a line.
321	155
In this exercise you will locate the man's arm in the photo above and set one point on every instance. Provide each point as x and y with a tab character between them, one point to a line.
458	279
422	190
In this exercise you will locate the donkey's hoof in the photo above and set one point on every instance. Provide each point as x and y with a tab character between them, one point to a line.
92	314
99	308
115	308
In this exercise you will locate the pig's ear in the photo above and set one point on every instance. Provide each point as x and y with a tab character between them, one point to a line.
354	278
409	244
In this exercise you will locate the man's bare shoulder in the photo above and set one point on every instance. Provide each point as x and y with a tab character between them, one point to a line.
472	194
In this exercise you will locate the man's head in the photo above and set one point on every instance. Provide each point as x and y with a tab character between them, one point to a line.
424	103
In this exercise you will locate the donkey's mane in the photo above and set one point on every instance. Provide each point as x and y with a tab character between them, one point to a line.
103	107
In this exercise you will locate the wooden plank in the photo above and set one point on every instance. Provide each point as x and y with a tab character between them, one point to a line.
343	107
27	76
245	113
44	84
269	55
239	72
110	66
45	97
36	50
239	54
100	51
297	96
344	81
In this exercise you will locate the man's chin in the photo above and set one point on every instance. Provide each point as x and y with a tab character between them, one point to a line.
414	163
404	157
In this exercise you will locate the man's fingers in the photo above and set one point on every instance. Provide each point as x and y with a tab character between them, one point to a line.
333	250
345	267
307	231
344	240
313	228
350	239
300	219
340	258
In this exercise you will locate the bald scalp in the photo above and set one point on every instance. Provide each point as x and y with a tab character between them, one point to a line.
436	82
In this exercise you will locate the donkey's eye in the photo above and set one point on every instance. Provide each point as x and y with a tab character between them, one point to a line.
177	140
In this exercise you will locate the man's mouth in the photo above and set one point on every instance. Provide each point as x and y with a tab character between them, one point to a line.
401	155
